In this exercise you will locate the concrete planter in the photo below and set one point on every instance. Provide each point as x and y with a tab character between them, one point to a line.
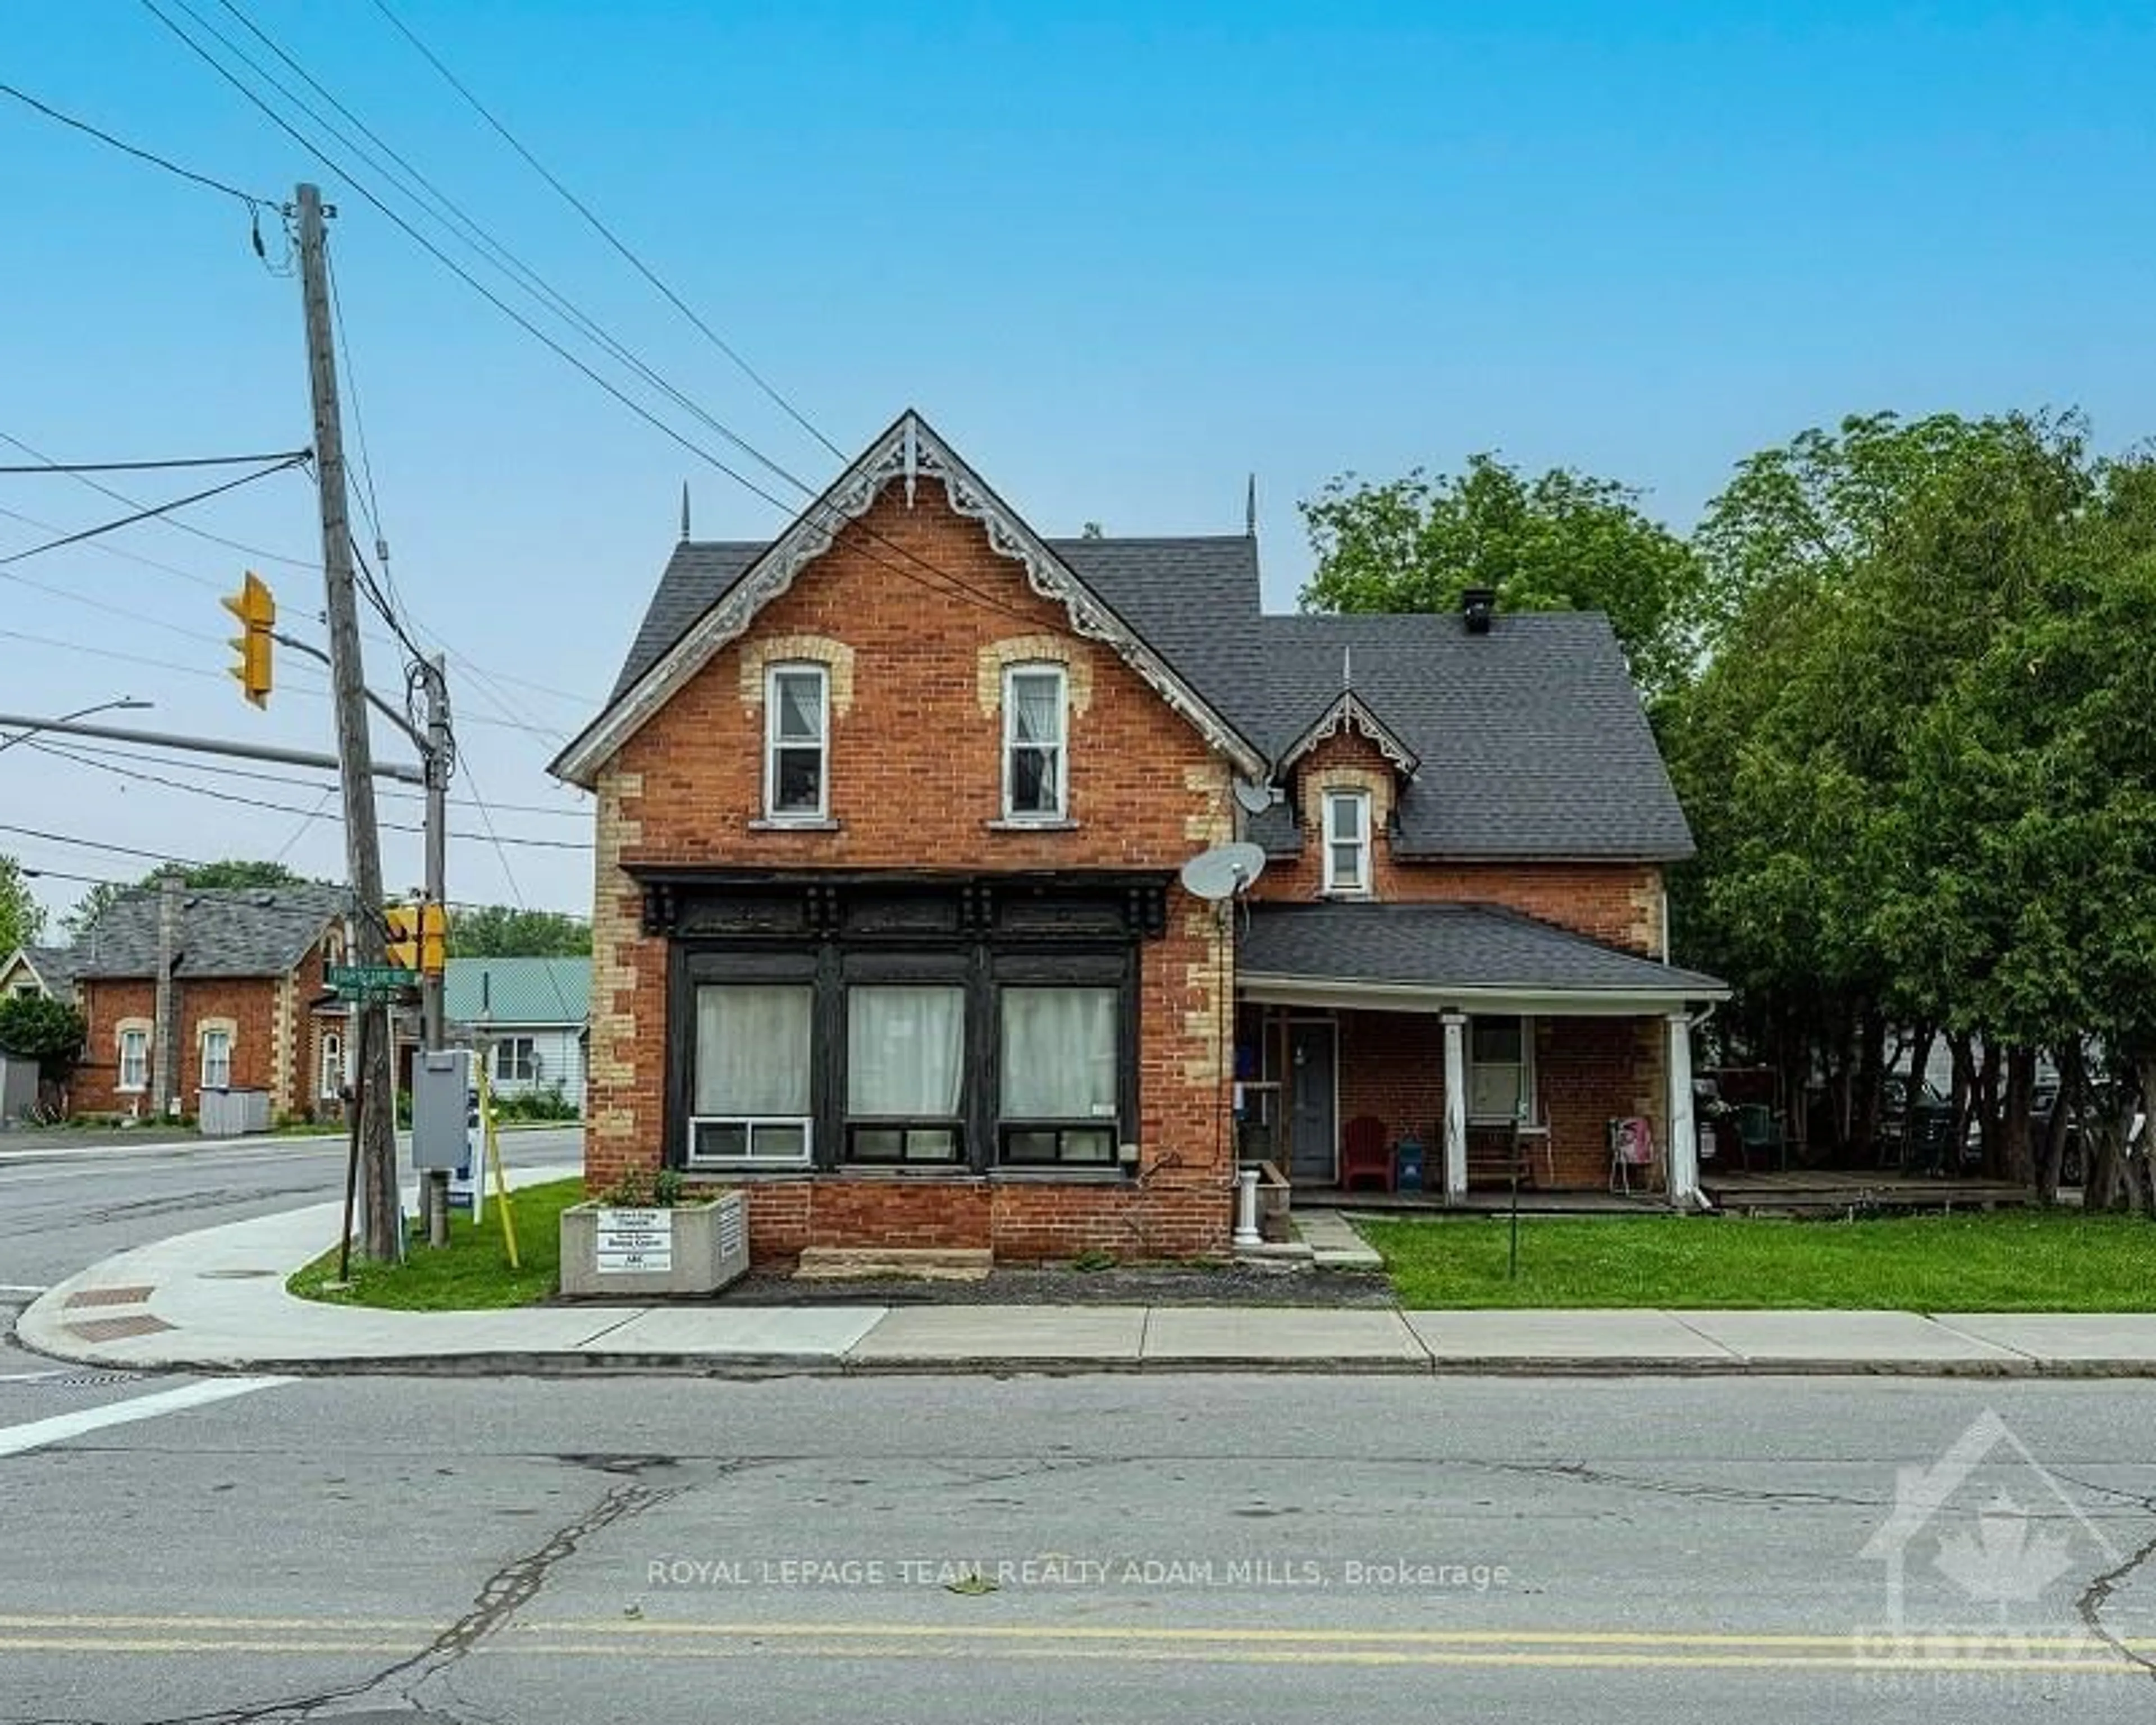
688	1248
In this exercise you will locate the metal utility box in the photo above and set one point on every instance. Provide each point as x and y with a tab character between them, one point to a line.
441	1108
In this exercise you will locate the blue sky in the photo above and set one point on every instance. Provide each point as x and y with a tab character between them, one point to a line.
1122	255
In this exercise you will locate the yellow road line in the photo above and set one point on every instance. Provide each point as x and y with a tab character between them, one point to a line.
856	1650
750	1629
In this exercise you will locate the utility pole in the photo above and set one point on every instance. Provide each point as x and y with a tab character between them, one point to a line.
376	1094
434	1031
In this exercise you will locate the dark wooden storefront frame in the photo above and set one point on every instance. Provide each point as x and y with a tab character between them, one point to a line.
830	929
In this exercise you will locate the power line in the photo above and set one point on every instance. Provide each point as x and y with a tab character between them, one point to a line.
252	203
515	892
100	844
314	566
114	751
154	512
146	466
606	233
951	586
226	796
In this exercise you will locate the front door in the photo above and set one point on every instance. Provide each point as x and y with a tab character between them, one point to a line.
1312	1057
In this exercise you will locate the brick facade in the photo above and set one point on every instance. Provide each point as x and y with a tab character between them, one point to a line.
268	1019
1588	1070
915	782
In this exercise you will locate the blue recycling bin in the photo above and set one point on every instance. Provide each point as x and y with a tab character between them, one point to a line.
1407	1164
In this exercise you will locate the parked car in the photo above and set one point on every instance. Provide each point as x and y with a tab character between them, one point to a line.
1894	1113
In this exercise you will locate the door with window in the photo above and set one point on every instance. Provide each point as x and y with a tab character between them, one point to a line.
1313	1104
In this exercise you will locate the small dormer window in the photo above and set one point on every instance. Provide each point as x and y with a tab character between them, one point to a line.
1347	842
1034	751
796	712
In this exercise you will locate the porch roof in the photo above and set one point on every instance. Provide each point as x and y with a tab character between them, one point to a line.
1425	958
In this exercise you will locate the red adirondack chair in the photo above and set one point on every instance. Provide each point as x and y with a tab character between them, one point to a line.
1364	1154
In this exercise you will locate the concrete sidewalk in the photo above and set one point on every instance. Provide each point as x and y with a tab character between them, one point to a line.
214	1301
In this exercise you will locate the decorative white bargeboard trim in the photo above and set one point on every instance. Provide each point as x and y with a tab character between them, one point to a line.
908	453
1348	712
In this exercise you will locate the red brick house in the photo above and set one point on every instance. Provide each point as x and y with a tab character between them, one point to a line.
238	1012
888	928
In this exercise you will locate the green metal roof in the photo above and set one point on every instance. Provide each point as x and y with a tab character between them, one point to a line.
518	991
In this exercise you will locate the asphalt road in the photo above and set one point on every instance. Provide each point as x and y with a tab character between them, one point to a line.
1102	1548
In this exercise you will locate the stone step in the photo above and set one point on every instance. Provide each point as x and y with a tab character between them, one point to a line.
908	1263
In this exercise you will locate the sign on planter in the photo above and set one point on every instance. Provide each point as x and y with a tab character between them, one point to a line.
631	1242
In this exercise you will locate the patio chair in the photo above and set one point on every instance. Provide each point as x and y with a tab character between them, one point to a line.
1364	1154
1632	1152
1759	1128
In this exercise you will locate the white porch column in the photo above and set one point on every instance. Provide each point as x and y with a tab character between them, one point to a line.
1683	1156
1455	1104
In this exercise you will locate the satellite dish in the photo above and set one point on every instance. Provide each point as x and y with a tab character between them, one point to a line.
1222	871
1254	798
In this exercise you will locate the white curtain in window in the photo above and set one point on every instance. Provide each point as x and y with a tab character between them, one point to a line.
801	706
905	1051
216	1060
1059	1054
752	1044
1037	707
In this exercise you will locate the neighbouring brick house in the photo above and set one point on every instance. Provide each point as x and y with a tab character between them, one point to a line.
889	929
245	975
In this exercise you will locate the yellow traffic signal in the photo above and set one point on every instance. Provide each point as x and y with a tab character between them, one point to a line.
403	949
434	938
257	611
418	937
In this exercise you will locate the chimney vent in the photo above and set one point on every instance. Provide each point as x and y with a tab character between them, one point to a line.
1478	605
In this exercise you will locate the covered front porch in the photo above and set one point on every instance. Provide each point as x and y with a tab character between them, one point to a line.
1434	1053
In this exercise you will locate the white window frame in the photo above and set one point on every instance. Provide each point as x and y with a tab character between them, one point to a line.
201	1053
1525	1066
508	1045
331	1062
1334	798
140	1037
1061	746
757	1124
754	1124
772	742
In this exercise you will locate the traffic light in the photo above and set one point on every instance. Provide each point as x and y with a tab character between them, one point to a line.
257	611
434	938
418	937
403	948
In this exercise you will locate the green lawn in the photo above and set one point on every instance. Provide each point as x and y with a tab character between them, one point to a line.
2004	1260
471	1273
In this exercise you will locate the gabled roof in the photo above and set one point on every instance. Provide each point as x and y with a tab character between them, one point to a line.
1349	711
1471	950
224	932
518	991
1529	741
53	967
910	453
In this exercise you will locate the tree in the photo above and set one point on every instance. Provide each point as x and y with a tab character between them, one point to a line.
21	917
505	932
1918	762
1561	541
39	1028
233	872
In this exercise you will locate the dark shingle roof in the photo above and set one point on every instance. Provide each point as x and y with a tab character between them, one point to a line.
224	932
57	967
1531	738
1445	946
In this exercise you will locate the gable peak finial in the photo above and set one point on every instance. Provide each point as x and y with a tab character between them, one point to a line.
685	510
1250	508
1347	668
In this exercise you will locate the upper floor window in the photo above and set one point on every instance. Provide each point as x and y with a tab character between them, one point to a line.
217	1059
1033	744
1347	841
796	709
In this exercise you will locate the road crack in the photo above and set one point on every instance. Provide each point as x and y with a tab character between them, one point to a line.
2098	1594
1580	1473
